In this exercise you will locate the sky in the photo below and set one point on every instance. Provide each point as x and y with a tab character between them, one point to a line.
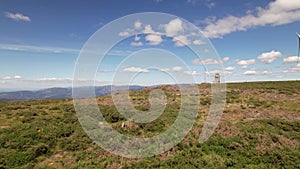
41	42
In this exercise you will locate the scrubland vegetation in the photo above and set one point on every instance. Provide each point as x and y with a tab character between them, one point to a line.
260	128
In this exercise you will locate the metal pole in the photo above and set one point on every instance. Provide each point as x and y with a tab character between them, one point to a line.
298	48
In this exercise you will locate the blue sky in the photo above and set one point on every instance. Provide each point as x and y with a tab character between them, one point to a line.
41	40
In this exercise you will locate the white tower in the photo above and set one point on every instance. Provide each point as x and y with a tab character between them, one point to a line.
217	78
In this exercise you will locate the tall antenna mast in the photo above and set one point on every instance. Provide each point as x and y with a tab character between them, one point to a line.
298	48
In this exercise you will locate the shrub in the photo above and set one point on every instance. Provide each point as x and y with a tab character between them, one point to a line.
41	149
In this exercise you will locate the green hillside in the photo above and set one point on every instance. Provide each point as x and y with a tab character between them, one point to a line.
260	128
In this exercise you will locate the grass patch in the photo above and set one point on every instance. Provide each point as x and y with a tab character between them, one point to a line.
47	134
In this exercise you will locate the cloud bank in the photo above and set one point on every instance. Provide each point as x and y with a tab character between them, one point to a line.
278	12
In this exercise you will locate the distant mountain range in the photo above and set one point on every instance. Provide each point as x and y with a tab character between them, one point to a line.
52	93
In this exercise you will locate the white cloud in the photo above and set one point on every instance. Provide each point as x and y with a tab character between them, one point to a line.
6	78
245	62
137	25
225	59
210	73
227	73
119	52
125	33
269	57
164	69
250	72
255	72
174	27
197	62
294	68
211	5
177	68
192	73
277	12
50	79
154	39
173	69
59	81
17	82
205	62
105	71
191	1
213	72
136	44
148	29
136	69
291	59
181	40
266	72
37	48
230	68
128	31
17	77
17	17
137	38
198	42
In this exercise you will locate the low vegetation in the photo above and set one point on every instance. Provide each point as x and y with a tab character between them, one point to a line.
260	128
